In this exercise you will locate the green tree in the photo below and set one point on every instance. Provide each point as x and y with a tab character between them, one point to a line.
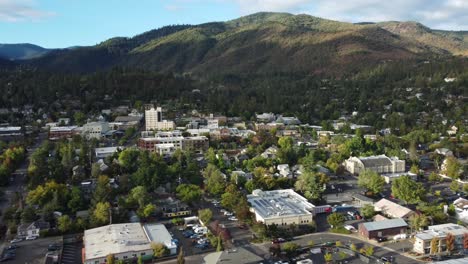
336	220
219	247
290	248
28	214
76	201
434	177
110	259
159	249
434	246
368	211
64	223
181	256
215	183
189	193
79	118
328	257
100	215
452	168
369	250
205	215
310	185
408	190
454	186
147	210
140	260
371	180
417	222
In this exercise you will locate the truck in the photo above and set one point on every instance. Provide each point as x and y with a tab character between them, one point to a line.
322	209
343	209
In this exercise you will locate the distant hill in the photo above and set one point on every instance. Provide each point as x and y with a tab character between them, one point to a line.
263	42
21	51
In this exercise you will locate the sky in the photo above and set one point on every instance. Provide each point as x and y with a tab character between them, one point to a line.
65	23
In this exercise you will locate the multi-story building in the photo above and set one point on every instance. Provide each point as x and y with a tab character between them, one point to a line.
198	144
60	132
280	207
422	240
380	164
95	130
151	143
154	120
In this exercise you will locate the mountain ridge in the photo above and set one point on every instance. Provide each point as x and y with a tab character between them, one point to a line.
263	42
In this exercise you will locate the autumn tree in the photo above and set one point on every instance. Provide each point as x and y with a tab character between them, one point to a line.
159	249
434	246
100	214
450	242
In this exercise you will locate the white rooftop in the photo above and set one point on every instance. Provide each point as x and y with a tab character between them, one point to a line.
112	239
279	203
442	231
107	150
158	233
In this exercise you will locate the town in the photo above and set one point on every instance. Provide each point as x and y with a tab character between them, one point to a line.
147	183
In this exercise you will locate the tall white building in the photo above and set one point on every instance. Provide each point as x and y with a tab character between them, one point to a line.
154	120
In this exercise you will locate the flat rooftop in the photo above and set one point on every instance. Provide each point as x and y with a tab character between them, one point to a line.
158	233
63	128
112	239
107	150
279	203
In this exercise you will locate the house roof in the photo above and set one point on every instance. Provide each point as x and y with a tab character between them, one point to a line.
384	224
392	209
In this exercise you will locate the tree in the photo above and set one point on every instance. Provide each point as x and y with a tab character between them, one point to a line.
434	246
215	183
369	251
368	211
28	215
336	220
454	186
290	248
353	247
230	198
100	215
371	180
79	118
465	240
205	215
338	243
434	177
147	210
309	184
140	260
408	190
64	223
328	257
450	242
417	222
189	193
180	256
452	168
110	259
102	191
76	200
219	247
159	249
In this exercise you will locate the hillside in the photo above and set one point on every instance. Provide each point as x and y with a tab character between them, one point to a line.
21	51
262	43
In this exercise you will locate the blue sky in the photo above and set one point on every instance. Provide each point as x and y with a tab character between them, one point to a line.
64	23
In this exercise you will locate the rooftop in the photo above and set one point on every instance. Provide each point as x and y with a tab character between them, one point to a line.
392	209
385	224
158	233
62	128
112	239
376	161
107	150
279	203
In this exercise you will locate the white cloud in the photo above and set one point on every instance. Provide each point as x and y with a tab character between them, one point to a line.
251	6
21	10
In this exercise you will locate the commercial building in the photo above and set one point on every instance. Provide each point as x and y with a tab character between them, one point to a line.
198	144
126	242
11	133
154	120
106	152
422	240
280	207
151	143
95	130
393	210
59	132
380	164
384	228
165	143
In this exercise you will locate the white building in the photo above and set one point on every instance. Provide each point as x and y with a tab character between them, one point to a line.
95	130
106	152
125	241
280	207
157	233
422	240
154	120
380	164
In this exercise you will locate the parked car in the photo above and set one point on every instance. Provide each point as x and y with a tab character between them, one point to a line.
233	218
14	246
31	237
228	213
202	246
278	240
350	228
53	247
16	240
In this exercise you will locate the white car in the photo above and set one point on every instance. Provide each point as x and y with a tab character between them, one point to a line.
233	218
350	228
227	213
31	237
16	240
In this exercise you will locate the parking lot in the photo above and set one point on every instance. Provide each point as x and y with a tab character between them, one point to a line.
34	251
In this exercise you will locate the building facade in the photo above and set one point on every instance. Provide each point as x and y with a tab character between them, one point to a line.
380	164
384	228
95	130
422	240
154	120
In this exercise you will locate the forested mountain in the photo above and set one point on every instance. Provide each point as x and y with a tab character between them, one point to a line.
262	43
21	51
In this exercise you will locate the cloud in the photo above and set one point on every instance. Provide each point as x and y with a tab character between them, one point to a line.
447	14
21	10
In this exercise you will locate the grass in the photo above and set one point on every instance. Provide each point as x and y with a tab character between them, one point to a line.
340	230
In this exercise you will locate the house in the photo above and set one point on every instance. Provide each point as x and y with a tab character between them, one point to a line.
444	151
171	207
422	240
106	152
384	228
270	153
392	209
380	164
95	130
461	209
280	207
32	229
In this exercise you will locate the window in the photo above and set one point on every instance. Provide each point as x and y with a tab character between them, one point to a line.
134	255
125	257
143	253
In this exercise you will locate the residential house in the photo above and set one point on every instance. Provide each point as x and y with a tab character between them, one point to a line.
32	229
